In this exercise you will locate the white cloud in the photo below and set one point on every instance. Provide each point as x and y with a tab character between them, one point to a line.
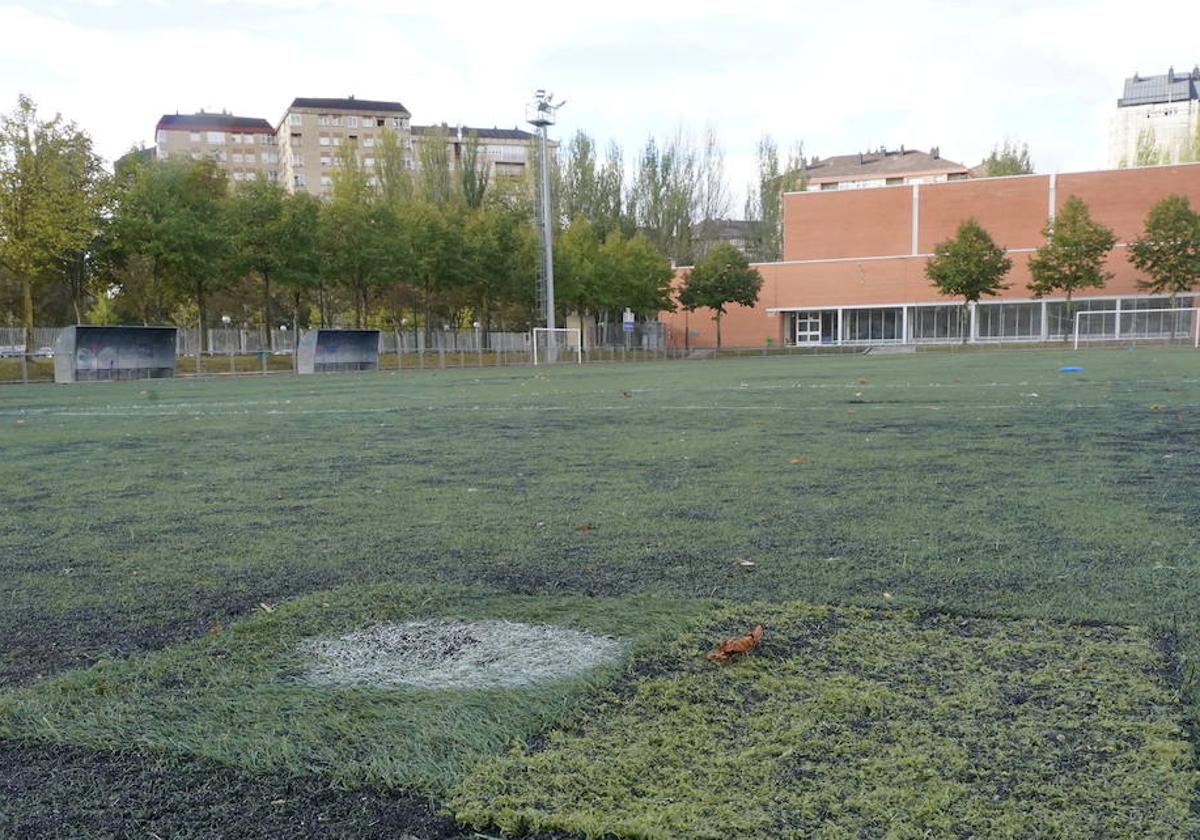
840	77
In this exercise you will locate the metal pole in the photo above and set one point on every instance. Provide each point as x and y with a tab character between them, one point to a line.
547	227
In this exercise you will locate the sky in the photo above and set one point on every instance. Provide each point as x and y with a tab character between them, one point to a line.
839	78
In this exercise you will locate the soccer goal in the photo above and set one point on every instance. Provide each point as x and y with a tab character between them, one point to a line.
1181	324
560	345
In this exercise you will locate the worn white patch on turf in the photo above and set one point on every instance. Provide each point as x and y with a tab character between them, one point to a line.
445	653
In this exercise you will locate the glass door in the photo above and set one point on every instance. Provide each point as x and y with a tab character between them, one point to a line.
808	327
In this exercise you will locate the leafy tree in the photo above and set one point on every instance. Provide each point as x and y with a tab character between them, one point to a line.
663	197
392	170
1009	159
1169	249
353	233
300	268
592	189
473	172
969	265
1073	256
50	200
723	277
258	239
435	180
170	226
632	274
764	204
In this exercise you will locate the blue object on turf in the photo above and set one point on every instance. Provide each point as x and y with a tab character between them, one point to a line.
1070	369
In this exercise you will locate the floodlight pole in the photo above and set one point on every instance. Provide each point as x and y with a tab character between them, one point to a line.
541	113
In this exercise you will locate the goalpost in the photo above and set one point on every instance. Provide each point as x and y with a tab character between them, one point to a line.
1182	323
557	345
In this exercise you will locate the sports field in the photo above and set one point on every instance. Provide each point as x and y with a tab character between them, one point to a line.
978	578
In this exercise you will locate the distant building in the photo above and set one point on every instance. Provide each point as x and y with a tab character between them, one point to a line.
507	151
740	233
881	168
1159	114
244	146
312	131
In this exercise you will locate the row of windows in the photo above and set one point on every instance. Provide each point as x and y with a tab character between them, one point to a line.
217	138
351	121
271	175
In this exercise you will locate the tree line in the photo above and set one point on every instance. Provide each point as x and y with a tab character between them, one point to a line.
444	243
971	265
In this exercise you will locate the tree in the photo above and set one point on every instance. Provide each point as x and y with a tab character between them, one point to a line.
300	268
764	202
50	199
353	232
474	172
1169	249
663	197
1009	159
723	277
1073	256
969	265
257	235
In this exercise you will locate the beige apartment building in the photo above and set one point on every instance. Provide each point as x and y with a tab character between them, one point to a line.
313	130
508	152
301	151
244	146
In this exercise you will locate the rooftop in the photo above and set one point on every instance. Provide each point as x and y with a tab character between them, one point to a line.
214	122
1168	87
880	163
350	103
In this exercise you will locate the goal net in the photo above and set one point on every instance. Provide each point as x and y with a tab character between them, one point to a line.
1181	325
556	346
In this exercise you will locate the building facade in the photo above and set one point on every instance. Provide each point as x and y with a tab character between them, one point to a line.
853	271
243	146
1157	120
507	152
881	168
312	131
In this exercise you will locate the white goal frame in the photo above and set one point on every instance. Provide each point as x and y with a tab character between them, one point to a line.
568	331
1192	332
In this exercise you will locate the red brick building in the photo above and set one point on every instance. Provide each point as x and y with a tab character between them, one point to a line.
853	270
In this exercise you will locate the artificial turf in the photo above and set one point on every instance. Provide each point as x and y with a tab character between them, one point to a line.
139	516
849	723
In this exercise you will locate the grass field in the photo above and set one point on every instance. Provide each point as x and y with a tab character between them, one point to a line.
165	549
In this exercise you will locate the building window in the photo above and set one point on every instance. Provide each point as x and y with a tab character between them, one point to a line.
297	159
326	160
298	179
160	137
194	136
324	140
369	162
380	123
323	120
237	157
326	181
249	156
352	122
296	119
215	137
397	122
368	141
337	141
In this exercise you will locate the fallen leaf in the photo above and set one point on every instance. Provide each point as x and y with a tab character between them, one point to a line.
800	460
888	596
265	607
742	562
1156	407
584	527
278	801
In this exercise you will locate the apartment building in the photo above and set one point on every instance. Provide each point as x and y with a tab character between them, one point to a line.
244	146
313	130
882	168
1157	120
507	152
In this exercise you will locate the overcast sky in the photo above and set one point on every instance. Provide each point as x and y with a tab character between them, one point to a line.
839	76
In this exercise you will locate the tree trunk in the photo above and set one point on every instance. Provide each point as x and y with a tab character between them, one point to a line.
202	311
267	305
718	320
964	324
27	294
296	332
1070	330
